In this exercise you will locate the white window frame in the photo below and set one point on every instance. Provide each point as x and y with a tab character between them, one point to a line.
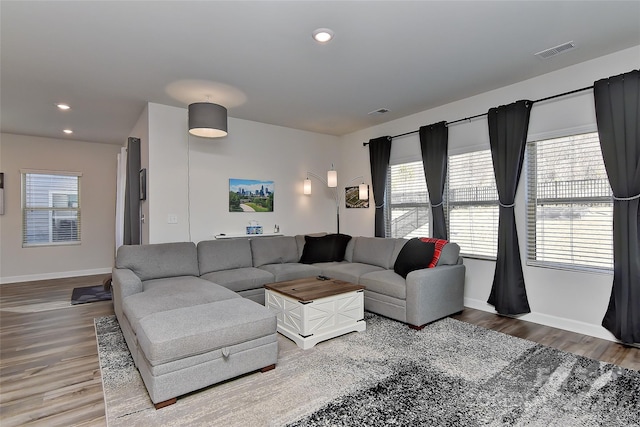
533	202
50	209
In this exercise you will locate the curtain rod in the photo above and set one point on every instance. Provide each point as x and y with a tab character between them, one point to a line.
571	92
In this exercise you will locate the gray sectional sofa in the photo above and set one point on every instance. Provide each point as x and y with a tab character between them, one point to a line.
194	315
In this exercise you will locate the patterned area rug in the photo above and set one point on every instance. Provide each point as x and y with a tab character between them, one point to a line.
449	374
90	294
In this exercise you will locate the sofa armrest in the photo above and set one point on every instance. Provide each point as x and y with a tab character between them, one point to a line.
124	283
434	293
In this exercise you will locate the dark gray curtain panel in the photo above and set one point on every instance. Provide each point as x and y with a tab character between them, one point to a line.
617	101
434	143
508	125
379	154
132	194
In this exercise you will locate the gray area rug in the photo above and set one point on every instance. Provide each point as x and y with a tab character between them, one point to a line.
449	374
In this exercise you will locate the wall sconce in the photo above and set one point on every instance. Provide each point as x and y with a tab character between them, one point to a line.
207	120
307	186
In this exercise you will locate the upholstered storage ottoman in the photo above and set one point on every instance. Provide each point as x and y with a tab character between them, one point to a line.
190	348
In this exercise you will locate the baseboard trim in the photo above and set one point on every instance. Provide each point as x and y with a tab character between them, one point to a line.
596	331
56	275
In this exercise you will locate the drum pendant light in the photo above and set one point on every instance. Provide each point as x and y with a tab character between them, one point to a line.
207	120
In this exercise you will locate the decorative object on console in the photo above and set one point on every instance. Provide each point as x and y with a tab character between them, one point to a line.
250	195
332	182
207	120
254	228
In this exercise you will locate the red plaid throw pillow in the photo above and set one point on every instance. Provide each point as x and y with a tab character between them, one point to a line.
438	250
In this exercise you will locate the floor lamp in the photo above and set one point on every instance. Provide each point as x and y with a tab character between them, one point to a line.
332	182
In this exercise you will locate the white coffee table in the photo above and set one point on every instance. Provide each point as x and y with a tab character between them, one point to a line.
311	310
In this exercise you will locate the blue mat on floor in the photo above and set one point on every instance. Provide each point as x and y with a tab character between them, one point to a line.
90	294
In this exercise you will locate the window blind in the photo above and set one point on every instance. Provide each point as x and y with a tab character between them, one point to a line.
569	204
472	204
408	201
51	208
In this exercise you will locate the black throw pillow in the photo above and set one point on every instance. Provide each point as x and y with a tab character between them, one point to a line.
324	248
414	255
340	242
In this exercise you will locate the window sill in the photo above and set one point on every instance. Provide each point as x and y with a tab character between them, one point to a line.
50	244
571	268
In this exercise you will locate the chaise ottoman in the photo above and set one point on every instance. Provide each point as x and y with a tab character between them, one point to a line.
188	348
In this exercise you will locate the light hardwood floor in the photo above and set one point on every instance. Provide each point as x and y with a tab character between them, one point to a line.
49	372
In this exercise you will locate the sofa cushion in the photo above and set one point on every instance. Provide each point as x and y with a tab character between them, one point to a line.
386	282
449	255
349	271
226	254
325	266
274	250
171	293
240	279
325	248
397	248
159	260
415	255
291	271
189	331
348	253
374	251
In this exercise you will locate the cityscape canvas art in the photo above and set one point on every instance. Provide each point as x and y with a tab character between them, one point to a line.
250	195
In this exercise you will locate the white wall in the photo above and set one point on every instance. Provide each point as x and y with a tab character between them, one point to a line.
569	300
97	163
189	177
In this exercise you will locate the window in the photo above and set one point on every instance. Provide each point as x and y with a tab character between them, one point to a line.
50	208
570	204
472	204
407	209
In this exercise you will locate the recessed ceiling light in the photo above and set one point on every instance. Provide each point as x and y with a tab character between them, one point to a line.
63	106
323	35
68	131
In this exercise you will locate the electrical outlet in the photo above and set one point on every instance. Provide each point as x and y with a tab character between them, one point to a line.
172	219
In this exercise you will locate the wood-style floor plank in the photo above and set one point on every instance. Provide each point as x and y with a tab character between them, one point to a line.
49	369
583	345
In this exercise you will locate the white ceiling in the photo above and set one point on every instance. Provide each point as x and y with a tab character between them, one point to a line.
108	59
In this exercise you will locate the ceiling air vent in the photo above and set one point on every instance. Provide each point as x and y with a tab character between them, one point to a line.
378	111
548	53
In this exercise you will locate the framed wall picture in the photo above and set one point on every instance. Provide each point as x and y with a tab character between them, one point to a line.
250	195
352	198
143	184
